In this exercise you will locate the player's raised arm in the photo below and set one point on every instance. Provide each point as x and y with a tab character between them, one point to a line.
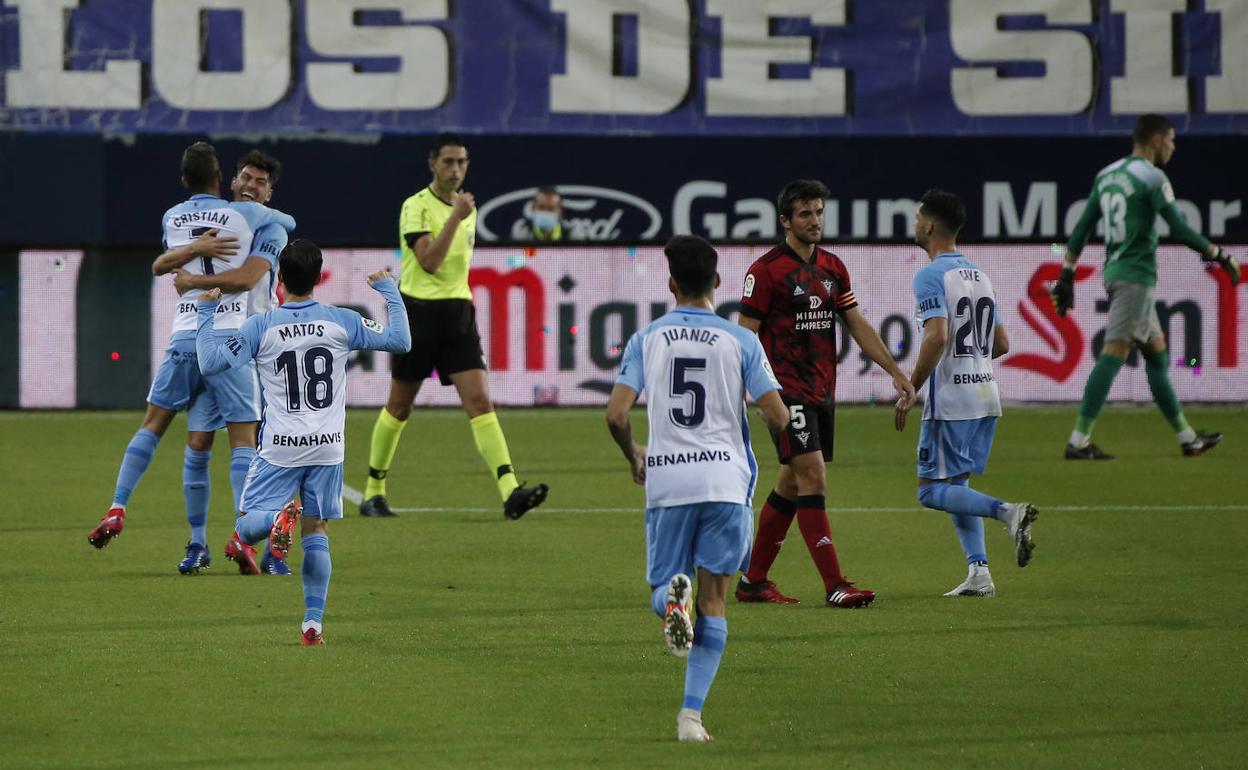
210	244
367	334
232	353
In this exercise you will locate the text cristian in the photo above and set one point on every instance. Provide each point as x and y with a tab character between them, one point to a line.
316	439
680	458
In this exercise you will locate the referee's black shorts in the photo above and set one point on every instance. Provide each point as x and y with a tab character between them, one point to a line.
444	338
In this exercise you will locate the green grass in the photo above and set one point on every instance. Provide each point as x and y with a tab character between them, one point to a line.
456	639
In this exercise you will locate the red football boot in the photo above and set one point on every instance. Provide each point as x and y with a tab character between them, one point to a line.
762	592
109	527
243	555
849	595
310	637
280	535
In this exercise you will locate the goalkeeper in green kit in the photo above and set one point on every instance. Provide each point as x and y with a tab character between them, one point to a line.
1129	194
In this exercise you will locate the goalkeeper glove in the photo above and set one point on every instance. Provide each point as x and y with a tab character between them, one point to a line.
1228	263
1063	293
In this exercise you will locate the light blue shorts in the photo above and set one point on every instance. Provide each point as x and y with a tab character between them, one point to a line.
179	386
235	392
713	536
269	487
949	448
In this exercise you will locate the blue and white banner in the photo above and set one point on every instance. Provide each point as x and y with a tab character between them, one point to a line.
671	67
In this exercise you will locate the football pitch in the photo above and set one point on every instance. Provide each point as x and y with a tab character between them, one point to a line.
455	638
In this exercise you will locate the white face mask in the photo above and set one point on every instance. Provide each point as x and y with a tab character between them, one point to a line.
544	220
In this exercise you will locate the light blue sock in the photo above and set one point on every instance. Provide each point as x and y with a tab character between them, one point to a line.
316	571
709	636
959	498
658	600
970	531
134	463
255	526
197	488
240	461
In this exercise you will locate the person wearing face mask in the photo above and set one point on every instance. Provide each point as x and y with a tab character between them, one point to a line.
546	214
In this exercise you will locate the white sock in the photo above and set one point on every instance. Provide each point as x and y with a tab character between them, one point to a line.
1186	436
978	569
1079	440
309	624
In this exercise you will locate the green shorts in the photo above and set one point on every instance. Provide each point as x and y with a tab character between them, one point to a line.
1132	313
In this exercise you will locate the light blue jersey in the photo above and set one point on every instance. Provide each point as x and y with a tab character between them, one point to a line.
267	245
962	386
301	352
187	221
695	369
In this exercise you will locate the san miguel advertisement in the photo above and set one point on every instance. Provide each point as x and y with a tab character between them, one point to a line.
627	67
554	322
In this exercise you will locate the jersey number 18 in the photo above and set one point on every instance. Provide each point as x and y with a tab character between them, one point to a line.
314	384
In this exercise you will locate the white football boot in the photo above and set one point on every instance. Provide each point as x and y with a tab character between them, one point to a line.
689	727
978	583
1018	518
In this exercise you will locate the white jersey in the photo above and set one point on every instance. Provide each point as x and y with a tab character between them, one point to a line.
301	353
695	369
187	221
962	386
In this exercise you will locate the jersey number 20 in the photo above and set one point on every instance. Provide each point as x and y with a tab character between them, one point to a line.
315	384
974	327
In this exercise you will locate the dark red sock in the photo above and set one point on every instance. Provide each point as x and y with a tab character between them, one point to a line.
773	525
812	520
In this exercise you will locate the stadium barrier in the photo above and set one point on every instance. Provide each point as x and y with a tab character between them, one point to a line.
554	320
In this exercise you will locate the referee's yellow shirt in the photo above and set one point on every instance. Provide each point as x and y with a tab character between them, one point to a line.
422	213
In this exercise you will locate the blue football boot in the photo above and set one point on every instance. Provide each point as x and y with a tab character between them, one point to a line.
197	558
271	565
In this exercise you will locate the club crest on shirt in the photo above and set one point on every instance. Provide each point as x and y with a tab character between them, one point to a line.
827	285
803	437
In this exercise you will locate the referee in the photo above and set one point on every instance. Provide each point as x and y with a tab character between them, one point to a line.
437	229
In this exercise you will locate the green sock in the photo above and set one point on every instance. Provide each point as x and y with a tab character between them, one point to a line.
493	448
1156	366
1097	390
381	453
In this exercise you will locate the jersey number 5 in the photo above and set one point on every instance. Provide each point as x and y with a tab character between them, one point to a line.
683	386
316	379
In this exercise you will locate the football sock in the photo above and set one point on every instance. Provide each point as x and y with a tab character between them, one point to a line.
196	487
1156	365
812	520
959	499
133	464
386	435
773	525
658	600
970	531
254	526
240	463
316	571
709	636
488	435
1096	391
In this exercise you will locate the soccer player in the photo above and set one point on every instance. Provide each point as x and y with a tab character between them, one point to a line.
791	298
1129	194
957	310
699	470
230	399
437	229
301	351
256	174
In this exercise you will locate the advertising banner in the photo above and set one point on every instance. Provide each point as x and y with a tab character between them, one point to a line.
554	322
628	67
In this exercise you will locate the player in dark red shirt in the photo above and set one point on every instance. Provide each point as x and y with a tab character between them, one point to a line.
792	296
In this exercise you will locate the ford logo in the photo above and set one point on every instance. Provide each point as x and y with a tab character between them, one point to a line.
589	214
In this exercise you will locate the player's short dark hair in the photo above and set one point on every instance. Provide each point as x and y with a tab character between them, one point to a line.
945	207
445	139
200	166
257	158
301	263
1148	126
801	190
692	262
